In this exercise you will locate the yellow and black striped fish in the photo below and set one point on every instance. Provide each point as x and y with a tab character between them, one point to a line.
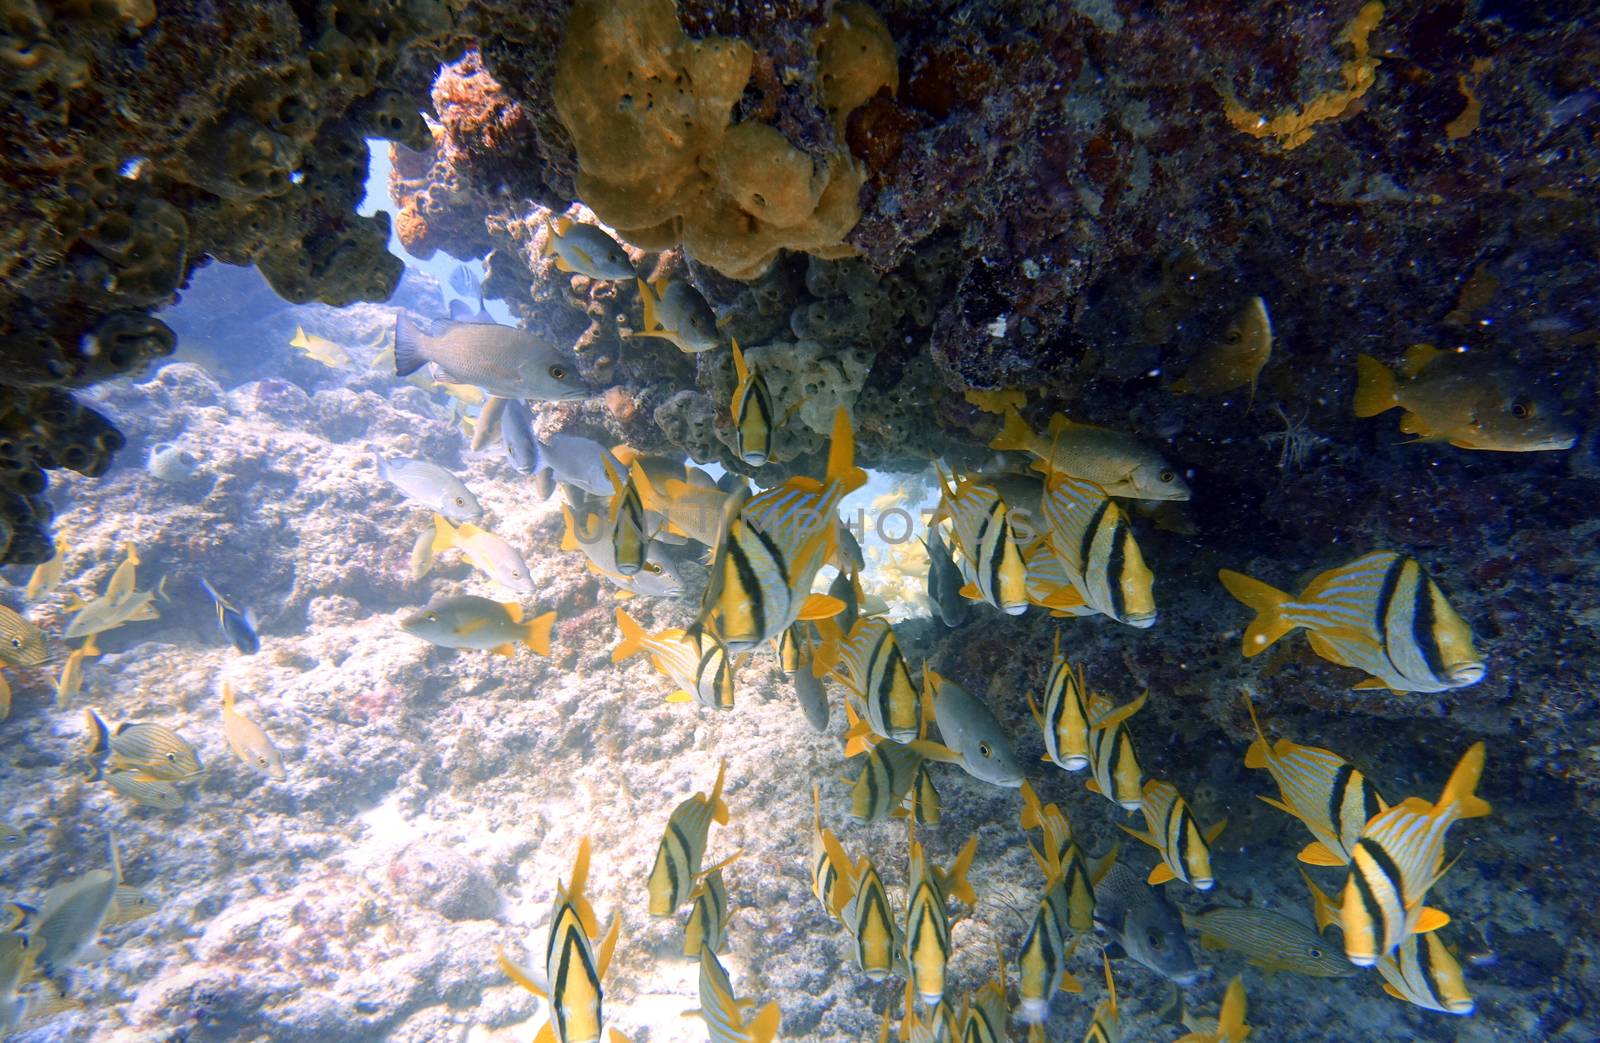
1049	585
1170	828
871	666
925	802
1399	857
927	934
888	774
1061	859
723	1012
991	554
1091	536
697	665
1381	613
869	918
153	750
937	1026
1227	1027
1064	720
1107	1024
754	420
1321	789
1269	940
707	925
770	548
573	968
1042	961
830	879
625	521
983	1014
1112	760
683	846
1422	971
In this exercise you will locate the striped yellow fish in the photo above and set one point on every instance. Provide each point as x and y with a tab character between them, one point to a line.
1042	961
991	554
1228	1026
1093	539
870	666
1269	940
585	530
1399	857
770	549
1170	828
47	576
21	643
888	774
1422	971
1059	857
927	934
830	875
1381	614
1116	462
707	925
723	1012
936	1026
983	1015
1064	720
1113	763
1049	584
696	665
1107	1024
683	846
926	807
247	740
1321	789
573	968
145	789
687	508
754	420
869	918
151	749
625	521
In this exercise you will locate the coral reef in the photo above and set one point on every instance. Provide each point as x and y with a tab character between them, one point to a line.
140	142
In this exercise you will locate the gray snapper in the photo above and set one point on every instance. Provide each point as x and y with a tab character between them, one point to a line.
1141	923
502	360
967	726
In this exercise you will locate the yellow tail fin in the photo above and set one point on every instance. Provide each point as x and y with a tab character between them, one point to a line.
1375	388
763	1028
719	807
955	882
1014	433
842	454
633	636
538	632
1266	602
1230	1022
1459	790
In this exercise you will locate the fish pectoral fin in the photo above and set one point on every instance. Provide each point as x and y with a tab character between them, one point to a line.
1431	920
1114	950
547	1032
970	592
1161	874
1396	993
680	696
1215	831
1316	853
1092	786
821	606
1370	684
505	650
521	975
1137	835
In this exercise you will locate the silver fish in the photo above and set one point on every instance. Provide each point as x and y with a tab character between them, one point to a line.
574	460
810	690
431	486
967	726
516	434
172	463
945	582
70	916
587	250
502	360
1143	924
674	310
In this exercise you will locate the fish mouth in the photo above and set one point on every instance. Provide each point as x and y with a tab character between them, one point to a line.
1143	621
1186	978
1466	674
1075	763
1553	443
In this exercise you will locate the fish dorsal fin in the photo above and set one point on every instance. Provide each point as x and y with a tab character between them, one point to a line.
561	225
1102	865
1431	920
741	370
299	340
1417	358
1317	853
513	612
719	808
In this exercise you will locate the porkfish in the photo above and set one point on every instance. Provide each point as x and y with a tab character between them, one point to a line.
1113	764
1382	614
696	664
724	1013
1091	536
1331	797
983	1014
1064	719
573	968
689	509
927	932
1422	971
1118	463
754	419
770	548
1106	1026
1170	828
683	846
889	772
1399	857
707	926
991	554
831	868
1461	398
586	531
863	907
872	668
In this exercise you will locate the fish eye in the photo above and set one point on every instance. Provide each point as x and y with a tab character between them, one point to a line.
1316	954
261	760
432	618
460	502
1167	476
558	372
984	750
16	642
172	758
1154	939
653	567
1521	410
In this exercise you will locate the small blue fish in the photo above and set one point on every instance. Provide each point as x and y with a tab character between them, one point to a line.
238	627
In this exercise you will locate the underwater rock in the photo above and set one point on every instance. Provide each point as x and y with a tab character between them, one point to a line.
445	881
